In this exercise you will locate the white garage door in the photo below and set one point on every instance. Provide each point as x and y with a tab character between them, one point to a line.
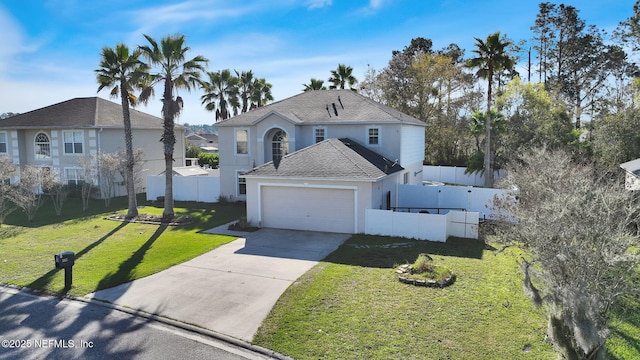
304	208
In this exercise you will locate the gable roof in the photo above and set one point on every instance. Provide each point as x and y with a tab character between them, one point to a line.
325	107
87	112
332	158
632	166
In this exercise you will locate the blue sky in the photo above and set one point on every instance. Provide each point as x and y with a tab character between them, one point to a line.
50	48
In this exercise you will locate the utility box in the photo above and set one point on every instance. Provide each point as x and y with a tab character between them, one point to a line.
64	259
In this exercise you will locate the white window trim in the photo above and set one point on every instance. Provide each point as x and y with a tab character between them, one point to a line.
235	141
6	142
35	148
379	136
72	132
78	174
238	194
324	128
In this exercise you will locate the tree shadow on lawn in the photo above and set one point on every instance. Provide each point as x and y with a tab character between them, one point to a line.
387	252
627	310
43	281
125	270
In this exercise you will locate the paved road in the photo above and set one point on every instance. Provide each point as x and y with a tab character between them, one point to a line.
39	327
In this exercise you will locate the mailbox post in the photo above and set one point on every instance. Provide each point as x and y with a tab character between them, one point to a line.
65	260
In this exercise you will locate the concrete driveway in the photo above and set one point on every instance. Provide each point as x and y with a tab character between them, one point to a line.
232	288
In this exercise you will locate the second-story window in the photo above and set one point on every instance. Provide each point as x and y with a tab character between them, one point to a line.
373	136
242	141
320	134
42	146
3	142
73	142
279	145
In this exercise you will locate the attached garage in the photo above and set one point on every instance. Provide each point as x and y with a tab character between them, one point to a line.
324	187
308	208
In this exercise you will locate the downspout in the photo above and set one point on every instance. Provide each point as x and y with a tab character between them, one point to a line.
98	150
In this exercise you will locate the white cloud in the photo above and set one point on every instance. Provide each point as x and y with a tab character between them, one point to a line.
317	4
172	16
372	8
375	4
13	42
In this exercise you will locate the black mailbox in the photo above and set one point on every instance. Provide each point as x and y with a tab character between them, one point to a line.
64	259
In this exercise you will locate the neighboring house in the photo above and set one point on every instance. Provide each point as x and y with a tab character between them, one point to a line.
206	142
318	160
632	170
57	136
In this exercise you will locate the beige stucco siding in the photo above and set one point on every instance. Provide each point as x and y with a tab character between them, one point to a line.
22	148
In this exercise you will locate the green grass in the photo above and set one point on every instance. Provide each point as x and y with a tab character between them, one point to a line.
351	306
624	342
108	252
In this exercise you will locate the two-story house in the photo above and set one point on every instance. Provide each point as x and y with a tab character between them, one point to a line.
57	136
317	160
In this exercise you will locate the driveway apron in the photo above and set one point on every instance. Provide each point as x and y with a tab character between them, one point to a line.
232	288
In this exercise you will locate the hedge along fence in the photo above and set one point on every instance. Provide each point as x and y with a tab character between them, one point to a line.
212	160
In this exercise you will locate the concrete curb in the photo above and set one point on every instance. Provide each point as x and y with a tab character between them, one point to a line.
167	321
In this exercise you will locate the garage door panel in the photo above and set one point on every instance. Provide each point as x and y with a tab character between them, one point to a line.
307	208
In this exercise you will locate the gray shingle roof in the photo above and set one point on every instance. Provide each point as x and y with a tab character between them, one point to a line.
325	107
632	166
331	158
81	113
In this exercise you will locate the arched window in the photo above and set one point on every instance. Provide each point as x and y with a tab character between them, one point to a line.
279	145
42	146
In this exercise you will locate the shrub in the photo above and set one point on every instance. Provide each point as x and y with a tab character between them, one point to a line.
208	159
423	264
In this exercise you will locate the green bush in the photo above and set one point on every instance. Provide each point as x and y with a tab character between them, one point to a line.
208	159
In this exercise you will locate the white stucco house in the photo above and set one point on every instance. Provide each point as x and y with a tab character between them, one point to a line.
318	160
58	135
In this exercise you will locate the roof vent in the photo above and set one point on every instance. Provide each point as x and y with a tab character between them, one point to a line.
340	101
335	110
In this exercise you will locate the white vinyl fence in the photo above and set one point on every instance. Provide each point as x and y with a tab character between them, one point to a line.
432	227
186	188
444	198
455	175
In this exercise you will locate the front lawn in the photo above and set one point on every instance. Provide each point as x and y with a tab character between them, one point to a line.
352	305
108	252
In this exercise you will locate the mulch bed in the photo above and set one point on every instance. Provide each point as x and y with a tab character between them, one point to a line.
154	219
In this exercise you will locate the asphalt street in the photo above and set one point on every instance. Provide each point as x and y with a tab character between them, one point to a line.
44	327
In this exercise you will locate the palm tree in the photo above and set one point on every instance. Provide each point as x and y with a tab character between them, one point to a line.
314	84
220	93
122	71
261	93
492	57
245	88
172	67
342	76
